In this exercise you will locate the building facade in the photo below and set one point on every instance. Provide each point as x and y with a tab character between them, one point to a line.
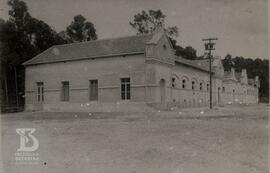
135	70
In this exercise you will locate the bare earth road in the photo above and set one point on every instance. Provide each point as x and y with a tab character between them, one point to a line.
231	140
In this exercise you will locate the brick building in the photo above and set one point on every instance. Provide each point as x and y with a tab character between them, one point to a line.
134	70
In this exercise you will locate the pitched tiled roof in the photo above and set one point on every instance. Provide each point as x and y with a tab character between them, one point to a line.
92	49
104	48
216	61
204	63
191	63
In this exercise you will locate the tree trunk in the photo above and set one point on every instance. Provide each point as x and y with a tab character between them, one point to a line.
16	86
6	84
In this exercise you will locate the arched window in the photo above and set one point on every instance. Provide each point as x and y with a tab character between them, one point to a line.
207	87
201	85
173	82
184	83
193	85
223	89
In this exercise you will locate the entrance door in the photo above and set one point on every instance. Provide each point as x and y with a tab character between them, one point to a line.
219	95
162	90
40	96
233	96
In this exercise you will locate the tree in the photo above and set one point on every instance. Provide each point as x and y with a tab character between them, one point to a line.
41	35
18	13
21	37
15	43
227	62
189	53
64	36
148	22
81	30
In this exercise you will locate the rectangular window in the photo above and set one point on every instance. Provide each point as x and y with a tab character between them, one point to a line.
93	90
65	91
40	91
125	88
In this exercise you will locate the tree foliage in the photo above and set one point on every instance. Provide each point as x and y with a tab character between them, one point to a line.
18	14
22	37
81	30
227	62
148	22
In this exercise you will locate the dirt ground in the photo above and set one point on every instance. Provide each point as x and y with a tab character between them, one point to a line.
230	139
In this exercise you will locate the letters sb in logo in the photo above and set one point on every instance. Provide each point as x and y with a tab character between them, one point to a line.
28	142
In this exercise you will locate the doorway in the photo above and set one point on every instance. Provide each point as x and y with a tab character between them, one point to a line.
162	90
233	96
219	95
39	96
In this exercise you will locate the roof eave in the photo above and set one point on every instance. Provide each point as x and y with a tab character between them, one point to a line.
193	67
83	58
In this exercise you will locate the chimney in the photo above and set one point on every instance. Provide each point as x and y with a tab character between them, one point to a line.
244	76
233	72
244	73
257	78
257	81
217	66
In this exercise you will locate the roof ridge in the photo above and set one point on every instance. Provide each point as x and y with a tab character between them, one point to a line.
104	39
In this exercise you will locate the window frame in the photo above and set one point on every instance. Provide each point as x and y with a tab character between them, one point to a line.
193	85
65	85
184	84
173	82
93	86
125	88
40	91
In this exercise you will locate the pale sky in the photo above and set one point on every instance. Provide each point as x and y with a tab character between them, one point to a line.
240	25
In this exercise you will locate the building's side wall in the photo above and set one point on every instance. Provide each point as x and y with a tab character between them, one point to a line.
161	67
217	91
222	92
243	93
107	71
177	95
162	71
188	96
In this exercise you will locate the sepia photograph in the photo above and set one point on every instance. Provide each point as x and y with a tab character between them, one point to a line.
134	86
